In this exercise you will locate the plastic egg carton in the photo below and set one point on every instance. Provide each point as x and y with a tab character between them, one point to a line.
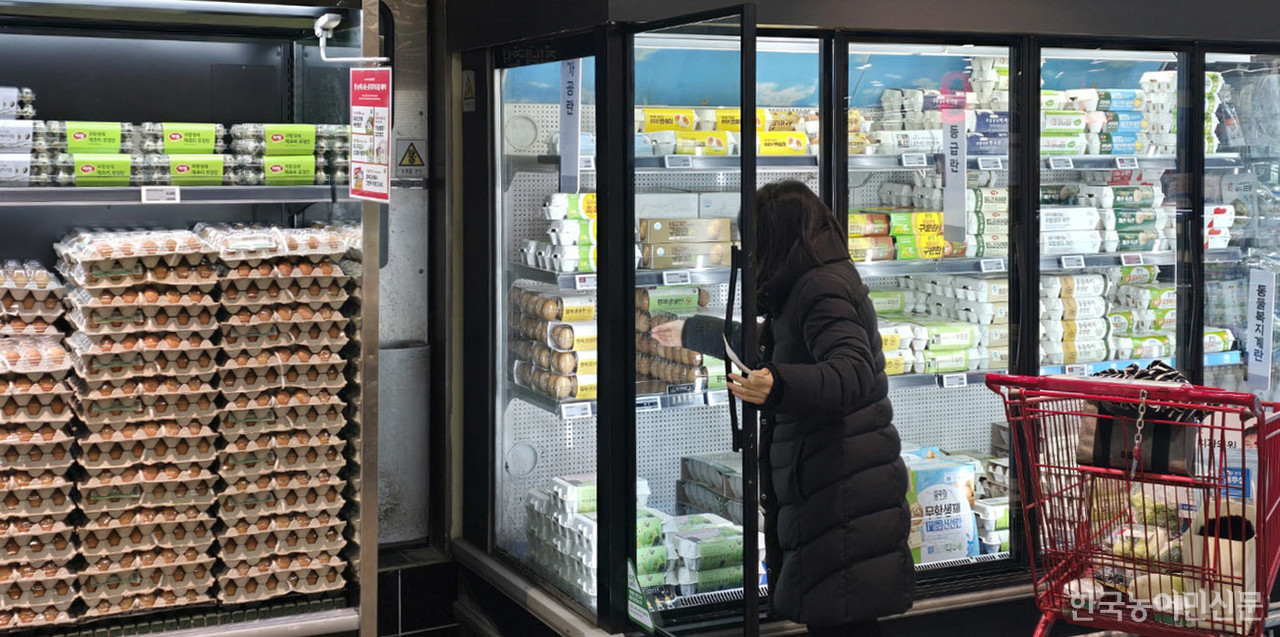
279	315
34	357
17	326
114	249
315	379
240	244
21	280
316	295
114	321
272	479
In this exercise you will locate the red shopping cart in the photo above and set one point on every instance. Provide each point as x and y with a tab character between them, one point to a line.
1169	530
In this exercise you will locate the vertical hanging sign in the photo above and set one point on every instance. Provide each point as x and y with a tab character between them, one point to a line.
955	160
371	134
1262	311
570	124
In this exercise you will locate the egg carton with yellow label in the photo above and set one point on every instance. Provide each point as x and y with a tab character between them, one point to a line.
146	603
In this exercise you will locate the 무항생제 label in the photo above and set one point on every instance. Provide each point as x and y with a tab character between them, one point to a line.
93	137
102	169
196	170
290	139
190	139
299	170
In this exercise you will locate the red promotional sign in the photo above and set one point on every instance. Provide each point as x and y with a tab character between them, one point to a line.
371	134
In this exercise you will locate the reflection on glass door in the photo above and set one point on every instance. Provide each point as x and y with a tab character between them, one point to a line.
1241	220
1107	208
928	145
545	485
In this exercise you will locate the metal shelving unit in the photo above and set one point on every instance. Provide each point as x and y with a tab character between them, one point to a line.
27	197
1218	359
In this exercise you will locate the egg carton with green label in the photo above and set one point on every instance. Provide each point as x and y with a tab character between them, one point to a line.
66	135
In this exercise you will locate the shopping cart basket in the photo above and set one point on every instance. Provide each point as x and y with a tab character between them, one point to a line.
1121	548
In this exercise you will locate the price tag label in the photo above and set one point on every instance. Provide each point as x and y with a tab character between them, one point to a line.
990	163
587	164
1061	163
682	388
584	282
161	194
992	265
1073	262
677	162
648	403
1127	163
575	411
953	381
720	397
1077	370
915	160
1131	259
676	277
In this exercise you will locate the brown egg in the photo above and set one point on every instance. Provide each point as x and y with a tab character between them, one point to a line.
305	313
173	297
244	316
161	271
151	341
284	313
243	270
285	269
172	341
264	314
129	342
264	270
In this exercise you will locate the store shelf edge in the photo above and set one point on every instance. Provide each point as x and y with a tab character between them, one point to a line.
27	197
644	278
1217	359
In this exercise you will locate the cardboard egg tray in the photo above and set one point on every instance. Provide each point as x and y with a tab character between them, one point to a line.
182	408
118	280
39	454
245	464
196	575
285	270
57	592
11	479
309	541
32	618
146	603
274	480
312	244
38	546
291	521
116	321
280	563
29	278
147	297
258	503
281	315
35	408
233	425
22	384
197	534
95	501
306	581
37	501
166	560
115	456
252	339
151	345
23	572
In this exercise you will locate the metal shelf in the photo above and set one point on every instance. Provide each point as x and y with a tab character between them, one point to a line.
1218	359
932	266
950	381
645	402
71	196
585	281
963	561
1112	259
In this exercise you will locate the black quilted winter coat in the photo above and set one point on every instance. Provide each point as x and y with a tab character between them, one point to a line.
832	483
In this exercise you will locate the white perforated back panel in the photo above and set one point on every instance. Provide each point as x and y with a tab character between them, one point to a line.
545	119
953	419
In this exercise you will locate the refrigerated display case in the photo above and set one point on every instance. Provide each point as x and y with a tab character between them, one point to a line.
1007	206
206	336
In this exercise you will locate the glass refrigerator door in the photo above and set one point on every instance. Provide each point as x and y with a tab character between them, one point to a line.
1108	209
928	144
545	499
1241	220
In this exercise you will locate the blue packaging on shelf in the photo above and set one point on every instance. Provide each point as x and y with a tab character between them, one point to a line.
988	144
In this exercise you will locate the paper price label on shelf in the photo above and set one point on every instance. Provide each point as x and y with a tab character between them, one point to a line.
677	162
575	411
648	403
584	282
586	164
1127	163
990	163
992	265
954	381
676	277
1130	259
915	160
1073	262
718	397
1061	163
1076	370
161	194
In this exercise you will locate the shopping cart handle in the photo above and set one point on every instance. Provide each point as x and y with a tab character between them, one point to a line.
1166	392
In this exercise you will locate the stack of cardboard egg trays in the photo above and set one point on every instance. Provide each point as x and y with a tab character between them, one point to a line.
142	309
38	554
281	376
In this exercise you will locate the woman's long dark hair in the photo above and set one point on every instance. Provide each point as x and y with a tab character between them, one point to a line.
791	222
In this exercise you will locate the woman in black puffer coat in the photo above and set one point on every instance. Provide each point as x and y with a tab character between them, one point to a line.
832	483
